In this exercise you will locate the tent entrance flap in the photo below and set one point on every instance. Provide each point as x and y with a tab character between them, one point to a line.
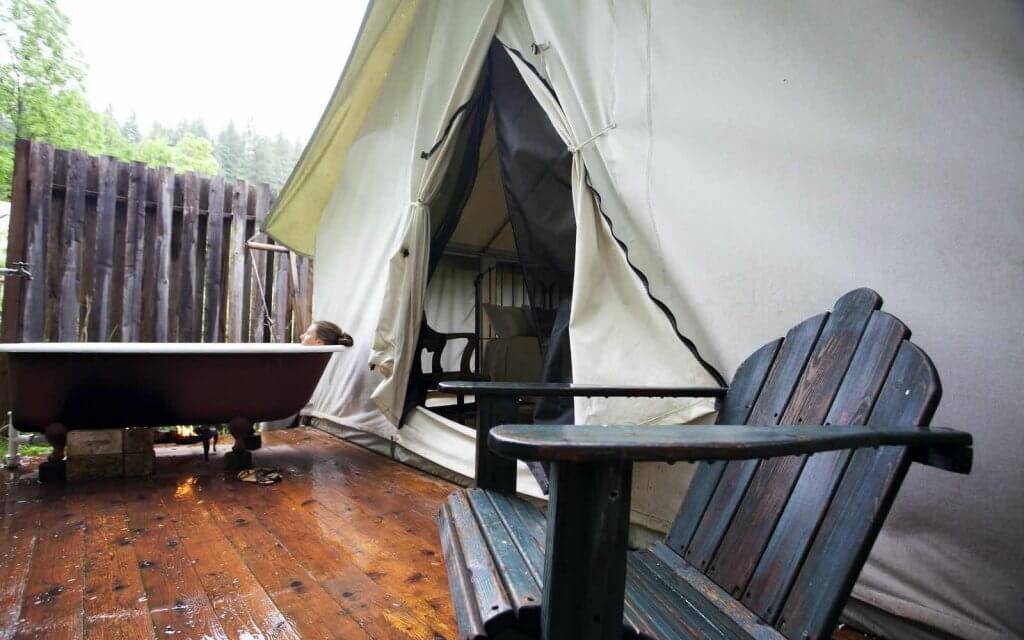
506	211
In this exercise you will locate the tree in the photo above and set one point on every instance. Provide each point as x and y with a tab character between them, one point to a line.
230	151
40	67
193	153
195	127
40	60
155	152
130	129
261	160
283	158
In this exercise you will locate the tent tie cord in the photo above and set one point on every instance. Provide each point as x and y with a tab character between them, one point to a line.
573	148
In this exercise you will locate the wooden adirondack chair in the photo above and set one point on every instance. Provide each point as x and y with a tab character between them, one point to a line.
776	524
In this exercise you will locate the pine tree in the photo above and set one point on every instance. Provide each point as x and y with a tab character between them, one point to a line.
130	129
283	160
261	160
230	151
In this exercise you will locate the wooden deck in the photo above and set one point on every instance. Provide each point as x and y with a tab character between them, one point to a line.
344	547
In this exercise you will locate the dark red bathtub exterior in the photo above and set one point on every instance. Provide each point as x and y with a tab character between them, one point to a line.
104	386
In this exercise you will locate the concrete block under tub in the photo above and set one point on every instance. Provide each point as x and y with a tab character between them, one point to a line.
139	464
95	442
95	466
138	440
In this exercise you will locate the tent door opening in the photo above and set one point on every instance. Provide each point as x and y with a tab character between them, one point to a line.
502	254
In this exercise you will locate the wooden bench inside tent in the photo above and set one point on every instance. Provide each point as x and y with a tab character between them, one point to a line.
775	526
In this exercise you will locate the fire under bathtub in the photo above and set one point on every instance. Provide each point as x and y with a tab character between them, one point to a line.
60	387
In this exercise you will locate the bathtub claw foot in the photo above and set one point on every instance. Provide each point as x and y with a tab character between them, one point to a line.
57	436
241	430
253	442
51	472
235	461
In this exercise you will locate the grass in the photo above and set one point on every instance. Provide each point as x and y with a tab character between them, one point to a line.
27	449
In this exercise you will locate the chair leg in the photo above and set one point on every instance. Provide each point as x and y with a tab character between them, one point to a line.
494	472
585	557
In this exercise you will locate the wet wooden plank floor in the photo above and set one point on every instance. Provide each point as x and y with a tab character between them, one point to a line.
344	547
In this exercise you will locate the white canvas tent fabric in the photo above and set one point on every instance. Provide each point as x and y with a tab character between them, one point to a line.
766	158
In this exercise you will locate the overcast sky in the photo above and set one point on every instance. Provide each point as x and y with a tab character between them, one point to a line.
275	61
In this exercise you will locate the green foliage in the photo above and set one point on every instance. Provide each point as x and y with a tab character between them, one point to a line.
42	97
155	151
193	153
32	450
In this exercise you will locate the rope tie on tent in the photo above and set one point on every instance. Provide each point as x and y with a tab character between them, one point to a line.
577	147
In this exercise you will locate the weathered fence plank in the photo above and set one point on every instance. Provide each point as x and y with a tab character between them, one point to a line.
236	291
162	253
103	256
40	187
117	282
54	247
261	287
188	258
14	288
281	298
298	266
134	253
214	248
72	236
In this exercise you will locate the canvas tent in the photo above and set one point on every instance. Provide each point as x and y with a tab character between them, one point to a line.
730	169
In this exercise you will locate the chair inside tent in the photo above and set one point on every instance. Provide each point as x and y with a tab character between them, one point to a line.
501	255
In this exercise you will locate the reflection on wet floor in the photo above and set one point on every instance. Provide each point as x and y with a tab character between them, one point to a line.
344	547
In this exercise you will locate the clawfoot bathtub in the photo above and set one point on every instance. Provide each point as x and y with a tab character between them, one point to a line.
61	387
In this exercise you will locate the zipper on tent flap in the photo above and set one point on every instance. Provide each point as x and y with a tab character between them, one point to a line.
465	106
715	373
712	371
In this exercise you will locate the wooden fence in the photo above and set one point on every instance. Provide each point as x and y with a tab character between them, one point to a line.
121	251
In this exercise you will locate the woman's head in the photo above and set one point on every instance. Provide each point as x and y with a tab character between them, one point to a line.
323	332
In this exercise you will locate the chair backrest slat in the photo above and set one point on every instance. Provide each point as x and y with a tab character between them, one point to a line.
909	397
787	536
771	403
747	383
777	567
774	479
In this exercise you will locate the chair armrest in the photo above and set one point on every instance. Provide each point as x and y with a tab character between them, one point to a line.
568	389
592	443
